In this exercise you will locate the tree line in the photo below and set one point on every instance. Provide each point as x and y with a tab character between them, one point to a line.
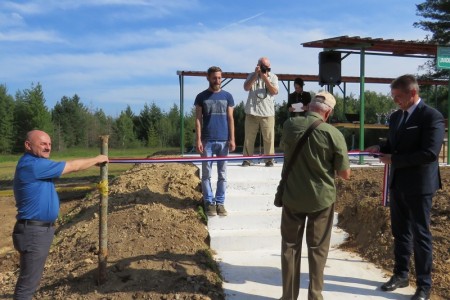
72	124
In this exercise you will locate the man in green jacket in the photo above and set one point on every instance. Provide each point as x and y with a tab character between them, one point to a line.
309	195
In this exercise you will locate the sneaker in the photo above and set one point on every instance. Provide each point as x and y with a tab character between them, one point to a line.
221	211
269	163
246	163
211	210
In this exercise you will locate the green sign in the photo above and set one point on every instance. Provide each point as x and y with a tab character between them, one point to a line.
443	58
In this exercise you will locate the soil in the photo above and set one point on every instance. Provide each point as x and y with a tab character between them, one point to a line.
158	244
368	223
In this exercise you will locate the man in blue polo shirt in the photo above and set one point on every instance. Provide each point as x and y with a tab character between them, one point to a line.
214	127
38	206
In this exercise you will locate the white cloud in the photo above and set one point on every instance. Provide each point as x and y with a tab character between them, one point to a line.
30	7
34	7
10	20
149	74
242	21
136	65
30	36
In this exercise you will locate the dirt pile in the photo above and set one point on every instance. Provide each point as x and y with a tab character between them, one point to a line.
158	240
369	225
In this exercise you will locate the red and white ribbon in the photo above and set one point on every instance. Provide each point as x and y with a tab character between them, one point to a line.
385	195
186	159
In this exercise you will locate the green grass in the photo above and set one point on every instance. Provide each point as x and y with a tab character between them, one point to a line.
9	158
201	213
8	162
7	169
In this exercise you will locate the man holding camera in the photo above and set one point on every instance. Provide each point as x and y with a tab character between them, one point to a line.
262	86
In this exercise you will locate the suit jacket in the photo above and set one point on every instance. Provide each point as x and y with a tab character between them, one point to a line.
415	150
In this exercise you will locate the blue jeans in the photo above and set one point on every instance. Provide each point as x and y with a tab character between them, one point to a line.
217	148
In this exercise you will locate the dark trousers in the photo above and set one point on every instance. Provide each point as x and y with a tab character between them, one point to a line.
33	244
410	218
318	233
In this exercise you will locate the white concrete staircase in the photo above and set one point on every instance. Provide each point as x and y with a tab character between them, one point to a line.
247	244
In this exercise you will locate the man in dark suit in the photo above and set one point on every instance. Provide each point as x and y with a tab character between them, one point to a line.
416	132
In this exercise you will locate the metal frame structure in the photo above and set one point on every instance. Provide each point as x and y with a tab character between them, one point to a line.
377	46
348	46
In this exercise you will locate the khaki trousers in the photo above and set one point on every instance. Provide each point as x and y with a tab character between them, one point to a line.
252	125
318	234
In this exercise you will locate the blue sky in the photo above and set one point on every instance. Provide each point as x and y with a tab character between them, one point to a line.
114	53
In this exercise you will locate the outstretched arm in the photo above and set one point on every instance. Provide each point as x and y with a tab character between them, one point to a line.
84	163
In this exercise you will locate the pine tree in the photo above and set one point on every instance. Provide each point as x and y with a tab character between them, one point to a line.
436	14
6	120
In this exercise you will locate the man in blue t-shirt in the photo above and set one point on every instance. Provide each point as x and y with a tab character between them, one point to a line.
214	127
38	206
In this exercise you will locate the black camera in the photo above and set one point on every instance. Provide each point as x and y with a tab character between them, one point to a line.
264	69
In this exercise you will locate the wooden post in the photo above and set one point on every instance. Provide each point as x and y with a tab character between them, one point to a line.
103	213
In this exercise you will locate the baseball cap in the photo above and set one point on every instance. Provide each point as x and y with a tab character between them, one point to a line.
325	98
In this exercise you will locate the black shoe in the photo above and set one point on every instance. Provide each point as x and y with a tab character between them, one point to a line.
421	294
269	163
394	283
246	163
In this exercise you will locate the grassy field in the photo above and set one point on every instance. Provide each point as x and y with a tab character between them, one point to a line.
8	163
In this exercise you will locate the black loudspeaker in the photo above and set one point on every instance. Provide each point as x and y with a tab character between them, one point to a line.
329	68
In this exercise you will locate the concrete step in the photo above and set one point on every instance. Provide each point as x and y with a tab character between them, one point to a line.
244	189
245	240
245	221
235	202
223	239
261	240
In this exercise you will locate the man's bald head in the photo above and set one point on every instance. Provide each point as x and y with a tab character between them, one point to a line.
38	143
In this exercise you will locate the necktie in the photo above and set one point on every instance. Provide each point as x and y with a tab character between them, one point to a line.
405	116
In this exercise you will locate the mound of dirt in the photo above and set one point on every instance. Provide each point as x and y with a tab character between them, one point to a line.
369	224
159	245
157	242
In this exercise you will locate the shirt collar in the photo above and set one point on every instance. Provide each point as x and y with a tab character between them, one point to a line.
411	109
314	114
